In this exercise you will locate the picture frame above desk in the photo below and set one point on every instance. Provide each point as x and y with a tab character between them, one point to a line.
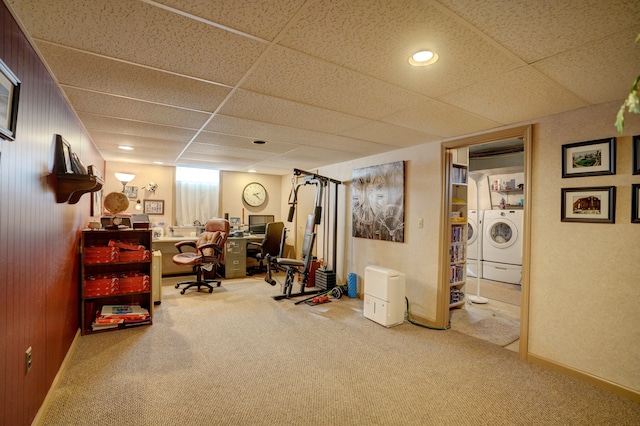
154	207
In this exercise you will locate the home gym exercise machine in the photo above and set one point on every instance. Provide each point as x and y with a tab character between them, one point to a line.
325	278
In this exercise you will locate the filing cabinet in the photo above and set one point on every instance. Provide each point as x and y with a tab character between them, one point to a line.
235	258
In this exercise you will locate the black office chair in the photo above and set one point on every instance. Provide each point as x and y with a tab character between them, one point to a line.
272	244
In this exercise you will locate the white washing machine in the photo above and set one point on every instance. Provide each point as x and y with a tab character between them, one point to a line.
502	245
474	243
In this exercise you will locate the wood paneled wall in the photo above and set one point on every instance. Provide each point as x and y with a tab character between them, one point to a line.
38	237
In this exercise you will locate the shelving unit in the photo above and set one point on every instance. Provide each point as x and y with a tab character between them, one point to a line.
506	193
104	273
458	241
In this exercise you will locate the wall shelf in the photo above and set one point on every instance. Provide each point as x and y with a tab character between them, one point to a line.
70	187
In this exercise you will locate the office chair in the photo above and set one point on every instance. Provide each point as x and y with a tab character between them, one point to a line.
209	250
271	244
295	266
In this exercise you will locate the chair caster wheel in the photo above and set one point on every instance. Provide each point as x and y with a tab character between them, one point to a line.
177	285
217	285
182	291
211	290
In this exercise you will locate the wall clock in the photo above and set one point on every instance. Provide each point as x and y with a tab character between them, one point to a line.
254	194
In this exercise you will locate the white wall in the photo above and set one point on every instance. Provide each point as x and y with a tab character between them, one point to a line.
231	186
417	257
145	173
585	278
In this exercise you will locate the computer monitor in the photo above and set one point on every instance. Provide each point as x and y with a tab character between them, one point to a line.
258	222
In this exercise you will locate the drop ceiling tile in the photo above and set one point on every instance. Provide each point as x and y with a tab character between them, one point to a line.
143	34
441	120
546	27
261	18
92	72
229	151
269	109
377	37
599	71
241	142
521	95
85	101
317	157
325	85
391	134
135	128
112	141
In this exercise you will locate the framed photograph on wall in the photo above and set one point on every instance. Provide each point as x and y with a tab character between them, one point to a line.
635	167
592	205
9	98
591	158
96	197
131	192
635	203
154	206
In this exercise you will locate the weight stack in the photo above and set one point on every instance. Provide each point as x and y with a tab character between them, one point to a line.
326	280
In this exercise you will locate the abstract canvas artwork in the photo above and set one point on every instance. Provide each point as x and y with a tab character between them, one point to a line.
377	200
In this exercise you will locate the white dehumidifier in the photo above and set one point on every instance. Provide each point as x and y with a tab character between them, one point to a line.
384	295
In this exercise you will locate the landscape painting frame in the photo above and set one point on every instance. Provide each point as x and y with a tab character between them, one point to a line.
590	158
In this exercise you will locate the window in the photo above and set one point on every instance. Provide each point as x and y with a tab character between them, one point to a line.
197	192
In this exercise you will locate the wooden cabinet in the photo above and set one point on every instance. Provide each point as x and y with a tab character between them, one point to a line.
115	270
458	241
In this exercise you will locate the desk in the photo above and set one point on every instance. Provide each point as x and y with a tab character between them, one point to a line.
235	257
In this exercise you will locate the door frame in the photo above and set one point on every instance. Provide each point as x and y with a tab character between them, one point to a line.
442	313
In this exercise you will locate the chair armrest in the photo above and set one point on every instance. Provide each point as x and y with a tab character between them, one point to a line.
217	249
181	244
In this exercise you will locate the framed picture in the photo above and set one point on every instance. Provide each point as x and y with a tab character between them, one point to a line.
9	97
131	192
154	206
635	167
595	205
64	158
96	197
234	221
592	158
635	204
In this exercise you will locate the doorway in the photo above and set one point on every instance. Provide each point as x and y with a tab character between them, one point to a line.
498	181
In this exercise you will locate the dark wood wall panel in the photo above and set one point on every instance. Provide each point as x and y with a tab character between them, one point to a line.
38	237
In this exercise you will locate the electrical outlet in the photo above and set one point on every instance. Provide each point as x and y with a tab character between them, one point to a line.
27	355
420	223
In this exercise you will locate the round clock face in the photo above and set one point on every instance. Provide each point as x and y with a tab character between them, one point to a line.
254	194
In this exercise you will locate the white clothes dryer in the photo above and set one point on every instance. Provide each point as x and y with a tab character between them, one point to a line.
502	238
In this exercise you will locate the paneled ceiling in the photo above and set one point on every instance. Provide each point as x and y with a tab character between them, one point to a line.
196	82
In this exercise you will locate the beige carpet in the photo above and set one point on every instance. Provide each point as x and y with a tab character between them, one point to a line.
237	357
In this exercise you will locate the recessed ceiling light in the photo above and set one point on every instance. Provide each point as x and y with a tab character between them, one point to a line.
259	142
422	58
251	171
158	162
126	148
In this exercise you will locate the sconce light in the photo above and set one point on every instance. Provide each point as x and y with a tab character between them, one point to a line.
138	205
151	187
124	178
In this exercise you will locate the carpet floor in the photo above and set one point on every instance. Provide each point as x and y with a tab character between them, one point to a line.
238	357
